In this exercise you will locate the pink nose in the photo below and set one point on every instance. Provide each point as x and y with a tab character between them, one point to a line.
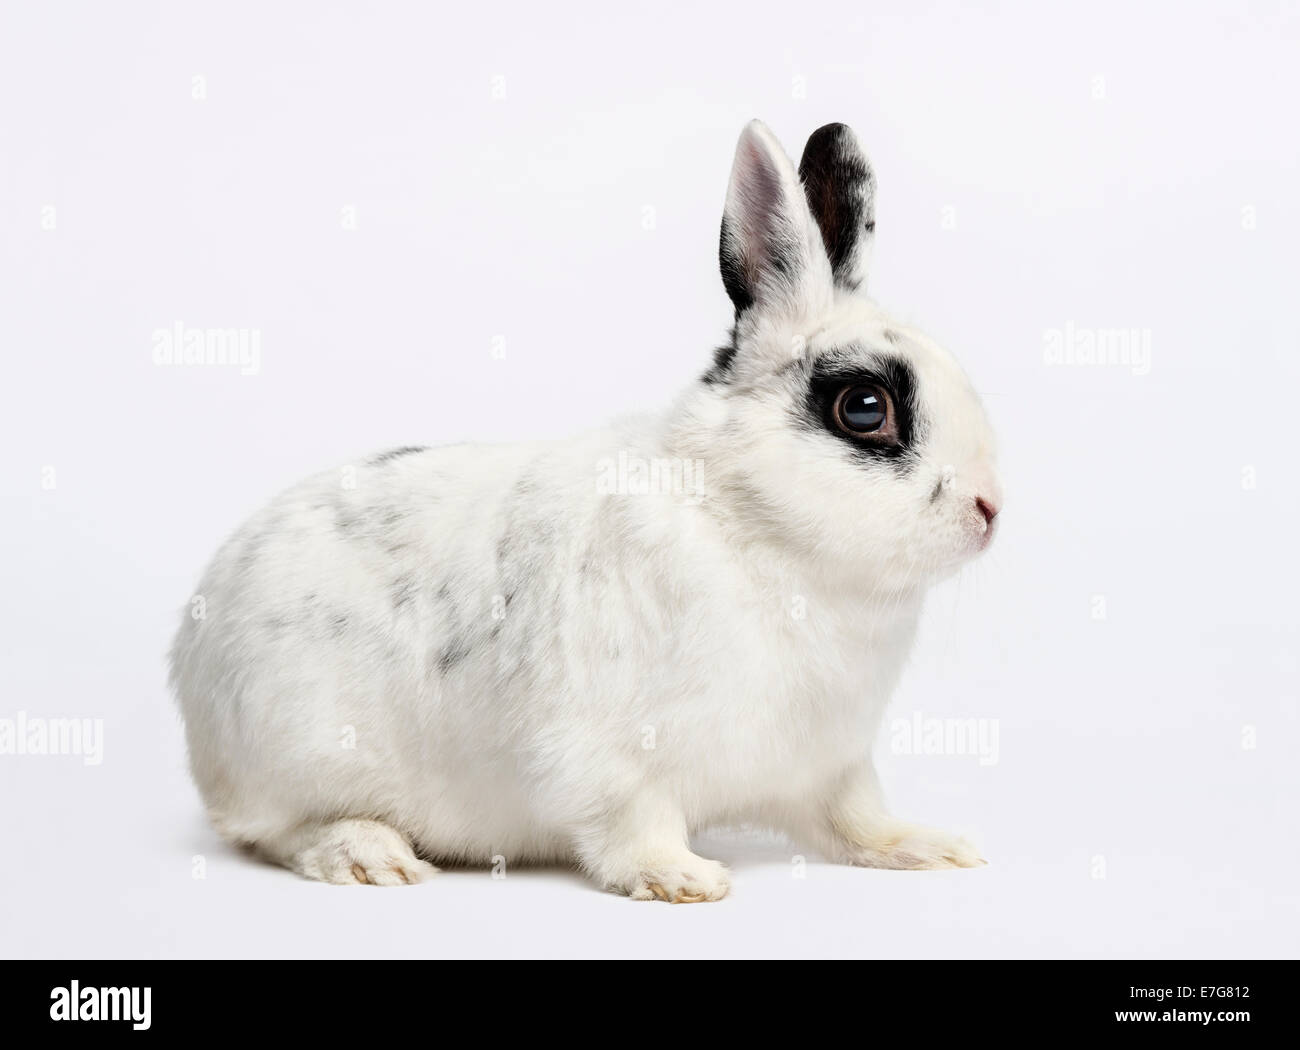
986	508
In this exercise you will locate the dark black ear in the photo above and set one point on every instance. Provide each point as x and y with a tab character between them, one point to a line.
841	190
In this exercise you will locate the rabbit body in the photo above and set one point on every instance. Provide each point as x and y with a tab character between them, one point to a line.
521	653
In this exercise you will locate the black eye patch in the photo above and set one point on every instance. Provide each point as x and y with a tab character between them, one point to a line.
829	378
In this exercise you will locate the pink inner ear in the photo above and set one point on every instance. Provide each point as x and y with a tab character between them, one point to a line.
759	182
761	205
759	188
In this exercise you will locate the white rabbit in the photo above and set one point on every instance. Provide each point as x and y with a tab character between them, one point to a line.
583	651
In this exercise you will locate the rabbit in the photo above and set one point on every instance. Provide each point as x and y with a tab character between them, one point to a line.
582	652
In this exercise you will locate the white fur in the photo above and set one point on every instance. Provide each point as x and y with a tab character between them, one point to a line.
533	669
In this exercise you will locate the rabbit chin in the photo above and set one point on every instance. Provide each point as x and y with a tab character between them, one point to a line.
910	567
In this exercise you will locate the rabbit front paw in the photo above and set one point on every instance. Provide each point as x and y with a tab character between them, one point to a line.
911	847
688	880
365	852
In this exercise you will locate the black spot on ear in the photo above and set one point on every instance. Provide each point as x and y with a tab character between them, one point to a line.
779	261
841	192
733	271
394	453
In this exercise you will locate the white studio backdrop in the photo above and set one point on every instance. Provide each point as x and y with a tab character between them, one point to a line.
476	222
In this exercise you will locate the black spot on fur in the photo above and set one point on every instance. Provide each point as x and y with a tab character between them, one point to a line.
828	377
347	521
394	453
276	625
402	591
462	636
338	625
723	358
452	655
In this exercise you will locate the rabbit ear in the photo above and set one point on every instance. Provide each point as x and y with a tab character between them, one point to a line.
770	249
841	191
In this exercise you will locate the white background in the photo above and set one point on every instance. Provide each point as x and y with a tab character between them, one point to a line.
1133	632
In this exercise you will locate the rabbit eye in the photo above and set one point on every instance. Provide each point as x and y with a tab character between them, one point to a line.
864	409
872	408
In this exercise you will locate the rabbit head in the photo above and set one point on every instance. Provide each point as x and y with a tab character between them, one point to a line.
824	426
